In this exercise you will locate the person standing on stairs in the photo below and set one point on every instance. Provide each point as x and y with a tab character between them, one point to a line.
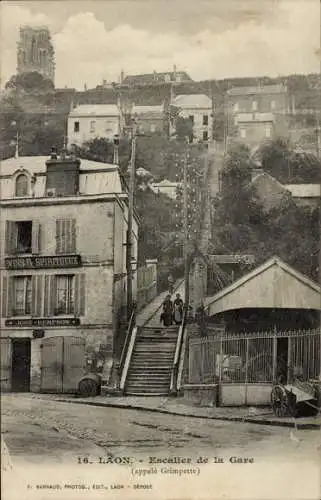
178	309
167	314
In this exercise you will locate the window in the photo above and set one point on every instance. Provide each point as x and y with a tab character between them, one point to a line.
205	135
205	119
21	296
65	236
153	128
65	295
22	185
92	126
243	133
254	105
76	126
236	106
273	104
23	243
268	131
191	119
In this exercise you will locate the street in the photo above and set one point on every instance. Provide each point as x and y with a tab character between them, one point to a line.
54	435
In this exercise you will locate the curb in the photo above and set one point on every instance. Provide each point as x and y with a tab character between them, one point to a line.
261	421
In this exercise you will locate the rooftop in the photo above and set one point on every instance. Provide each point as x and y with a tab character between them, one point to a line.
95	110
304	190
156	77
192	101
155	109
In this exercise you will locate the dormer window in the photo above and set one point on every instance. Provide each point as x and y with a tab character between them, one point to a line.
22	187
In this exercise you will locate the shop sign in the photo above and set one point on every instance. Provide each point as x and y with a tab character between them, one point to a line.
42	322
42	262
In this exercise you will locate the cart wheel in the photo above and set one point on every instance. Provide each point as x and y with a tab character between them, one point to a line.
88	387
280	402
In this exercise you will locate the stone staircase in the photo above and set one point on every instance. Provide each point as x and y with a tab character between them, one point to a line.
152	360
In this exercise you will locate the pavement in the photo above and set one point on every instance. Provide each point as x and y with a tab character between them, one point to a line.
182	407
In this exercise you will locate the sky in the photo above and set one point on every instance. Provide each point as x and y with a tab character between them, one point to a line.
95	40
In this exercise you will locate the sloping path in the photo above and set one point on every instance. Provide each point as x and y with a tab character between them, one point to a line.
150	315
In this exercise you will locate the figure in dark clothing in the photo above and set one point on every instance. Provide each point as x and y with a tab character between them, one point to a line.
178	309
167	314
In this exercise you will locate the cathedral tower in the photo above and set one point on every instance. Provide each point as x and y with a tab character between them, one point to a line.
35	51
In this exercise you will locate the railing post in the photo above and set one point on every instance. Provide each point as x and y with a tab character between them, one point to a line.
246	369
274	358
289	362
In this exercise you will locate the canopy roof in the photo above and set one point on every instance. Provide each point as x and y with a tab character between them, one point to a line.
273	284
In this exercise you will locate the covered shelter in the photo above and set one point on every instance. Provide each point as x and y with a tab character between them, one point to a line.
273	295
269	332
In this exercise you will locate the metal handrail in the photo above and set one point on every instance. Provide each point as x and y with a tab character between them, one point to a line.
174	375
131	325
128	358
182	354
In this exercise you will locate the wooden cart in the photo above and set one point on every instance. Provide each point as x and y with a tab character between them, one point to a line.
297	399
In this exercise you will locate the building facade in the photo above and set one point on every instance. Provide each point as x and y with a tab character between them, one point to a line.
90	121
63	266
35	52
199	109
150	119
255	114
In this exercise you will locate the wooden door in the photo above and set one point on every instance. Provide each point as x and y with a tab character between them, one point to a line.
52	364
73	363
5	366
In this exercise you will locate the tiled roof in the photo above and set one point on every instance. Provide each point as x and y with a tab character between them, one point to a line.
95	110
156	109
304	190
192	101
260	89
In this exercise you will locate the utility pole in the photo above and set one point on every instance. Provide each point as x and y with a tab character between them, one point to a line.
129	242
185	222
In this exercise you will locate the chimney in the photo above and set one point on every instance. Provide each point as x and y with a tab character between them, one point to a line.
122	76
174	72
104	83
85	87
155	75
62	174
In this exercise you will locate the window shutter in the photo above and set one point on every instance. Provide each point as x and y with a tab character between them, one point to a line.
80	294
49	295
4	296
72	236
37	284
11	297
35	237
10	233
59	229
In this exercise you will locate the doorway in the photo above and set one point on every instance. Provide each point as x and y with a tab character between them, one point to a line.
21	361
282	359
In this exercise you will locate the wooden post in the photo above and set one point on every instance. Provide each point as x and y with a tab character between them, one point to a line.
274	358
289	374
129	243
246	369
186	253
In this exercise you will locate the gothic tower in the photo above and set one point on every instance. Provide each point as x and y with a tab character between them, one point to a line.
35	51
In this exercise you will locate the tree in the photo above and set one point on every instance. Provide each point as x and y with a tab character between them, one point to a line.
29	82
280	160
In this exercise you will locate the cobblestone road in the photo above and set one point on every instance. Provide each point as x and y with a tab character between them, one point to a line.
33	428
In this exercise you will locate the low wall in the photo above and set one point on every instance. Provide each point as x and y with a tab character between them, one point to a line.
245	394
201	395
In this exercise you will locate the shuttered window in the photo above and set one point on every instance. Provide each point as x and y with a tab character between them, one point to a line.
37	296
22	237
20	295
65	236
64	294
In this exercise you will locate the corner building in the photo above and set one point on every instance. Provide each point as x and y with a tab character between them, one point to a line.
63	270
